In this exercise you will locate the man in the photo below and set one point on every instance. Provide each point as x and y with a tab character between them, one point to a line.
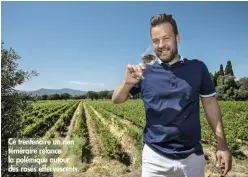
170	89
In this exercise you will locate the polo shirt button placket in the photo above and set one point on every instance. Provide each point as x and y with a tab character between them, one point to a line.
172	82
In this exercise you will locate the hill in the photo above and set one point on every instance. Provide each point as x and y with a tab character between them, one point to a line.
44	91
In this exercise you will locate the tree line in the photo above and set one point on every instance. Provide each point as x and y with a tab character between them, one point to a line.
227	88
93	95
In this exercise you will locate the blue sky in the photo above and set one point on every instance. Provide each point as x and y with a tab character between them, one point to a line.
87	45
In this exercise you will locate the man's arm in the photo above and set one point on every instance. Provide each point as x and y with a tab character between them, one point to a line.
130	84
213	115
121	93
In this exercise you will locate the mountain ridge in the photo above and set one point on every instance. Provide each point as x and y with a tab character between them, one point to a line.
43	91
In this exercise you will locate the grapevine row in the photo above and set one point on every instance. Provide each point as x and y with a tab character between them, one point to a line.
111	145
62	123
42	125
132	130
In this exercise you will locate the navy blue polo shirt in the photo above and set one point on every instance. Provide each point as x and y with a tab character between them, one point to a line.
171	100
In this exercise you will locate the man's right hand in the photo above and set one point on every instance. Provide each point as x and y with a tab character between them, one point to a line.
132	76
134	73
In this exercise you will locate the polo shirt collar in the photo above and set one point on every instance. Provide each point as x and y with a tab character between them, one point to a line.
181	59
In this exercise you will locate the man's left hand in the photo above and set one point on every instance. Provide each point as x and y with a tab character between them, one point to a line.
224	160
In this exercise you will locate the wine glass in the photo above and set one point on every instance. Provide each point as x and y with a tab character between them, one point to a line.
148	57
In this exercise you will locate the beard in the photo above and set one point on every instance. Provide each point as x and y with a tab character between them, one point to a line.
167	53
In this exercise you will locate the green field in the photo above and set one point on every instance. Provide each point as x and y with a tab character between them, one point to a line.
108	137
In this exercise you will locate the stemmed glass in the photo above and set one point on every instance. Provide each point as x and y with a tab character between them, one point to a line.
148	57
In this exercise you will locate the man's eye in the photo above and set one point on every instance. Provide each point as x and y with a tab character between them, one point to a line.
156	41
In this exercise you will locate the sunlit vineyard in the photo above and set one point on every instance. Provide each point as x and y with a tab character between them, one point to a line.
234	114
112	134
36	122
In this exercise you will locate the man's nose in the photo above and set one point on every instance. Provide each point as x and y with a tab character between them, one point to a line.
161	44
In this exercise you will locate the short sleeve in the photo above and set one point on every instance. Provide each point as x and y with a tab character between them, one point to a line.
135	89
207	88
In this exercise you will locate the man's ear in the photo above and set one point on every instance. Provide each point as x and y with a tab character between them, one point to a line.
178	38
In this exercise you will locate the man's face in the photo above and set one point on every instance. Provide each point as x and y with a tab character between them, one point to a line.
164	42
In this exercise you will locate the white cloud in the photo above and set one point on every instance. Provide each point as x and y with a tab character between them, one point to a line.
86	83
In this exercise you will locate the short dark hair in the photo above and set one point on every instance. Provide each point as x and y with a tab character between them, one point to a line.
163	18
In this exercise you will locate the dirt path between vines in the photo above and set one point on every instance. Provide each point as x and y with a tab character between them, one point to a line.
100	166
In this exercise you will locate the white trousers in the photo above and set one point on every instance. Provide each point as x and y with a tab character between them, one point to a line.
155	165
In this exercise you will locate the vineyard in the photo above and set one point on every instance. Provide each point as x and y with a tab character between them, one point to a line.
108	137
